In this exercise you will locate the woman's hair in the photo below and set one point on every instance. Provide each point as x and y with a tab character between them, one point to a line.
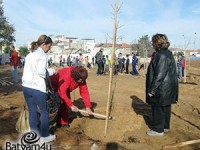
79	72
33	46
160	41
43	39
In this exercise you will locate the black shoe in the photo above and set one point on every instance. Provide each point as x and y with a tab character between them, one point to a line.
63	125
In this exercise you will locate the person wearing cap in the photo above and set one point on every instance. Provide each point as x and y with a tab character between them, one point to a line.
64	82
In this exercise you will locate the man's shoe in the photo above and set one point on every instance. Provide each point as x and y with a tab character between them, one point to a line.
166	130
154	133
47	139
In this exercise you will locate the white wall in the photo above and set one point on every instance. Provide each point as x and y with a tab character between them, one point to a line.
55	57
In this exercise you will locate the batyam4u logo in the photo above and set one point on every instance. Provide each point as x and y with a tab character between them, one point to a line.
28	141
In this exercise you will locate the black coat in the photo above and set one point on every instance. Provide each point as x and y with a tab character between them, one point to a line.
162	79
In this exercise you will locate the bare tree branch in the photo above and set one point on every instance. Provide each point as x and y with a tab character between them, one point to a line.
113	7
119	7
109	36
120	26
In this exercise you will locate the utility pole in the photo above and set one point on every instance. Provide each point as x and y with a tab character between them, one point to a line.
184	80
106	40
194	40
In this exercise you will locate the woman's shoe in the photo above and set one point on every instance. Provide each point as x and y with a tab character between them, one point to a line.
63	125
166	130
47	139
154	133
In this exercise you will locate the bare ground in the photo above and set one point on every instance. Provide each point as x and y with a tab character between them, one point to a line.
131	116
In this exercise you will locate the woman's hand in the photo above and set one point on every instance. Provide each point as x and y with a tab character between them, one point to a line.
89	111
74	108
150	95
56	71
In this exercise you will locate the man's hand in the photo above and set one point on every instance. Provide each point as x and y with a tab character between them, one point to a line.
89	111
74	108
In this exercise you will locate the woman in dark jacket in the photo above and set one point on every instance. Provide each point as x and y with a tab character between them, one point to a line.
161	85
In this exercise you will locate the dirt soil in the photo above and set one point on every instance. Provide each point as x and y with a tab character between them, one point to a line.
131	116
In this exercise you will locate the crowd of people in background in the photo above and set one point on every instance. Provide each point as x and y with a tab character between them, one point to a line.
120	64
72	61
102	63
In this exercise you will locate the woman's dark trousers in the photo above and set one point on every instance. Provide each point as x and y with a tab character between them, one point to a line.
161	118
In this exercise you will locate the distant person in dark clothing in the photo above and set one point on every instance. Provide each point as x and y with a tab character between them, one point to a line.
89	65
141	66
103	64
60	60
161	85
127	64
134	64
68	61
123	64
99	61
116	64
120	62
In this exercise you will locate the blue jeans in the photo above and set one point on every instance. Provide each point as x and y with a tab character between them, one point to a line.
14	74
34	99
134	70
180	72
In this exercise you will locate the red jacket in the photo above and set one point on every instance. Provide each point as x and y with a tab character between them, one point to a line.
14	59
183	63
63	83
